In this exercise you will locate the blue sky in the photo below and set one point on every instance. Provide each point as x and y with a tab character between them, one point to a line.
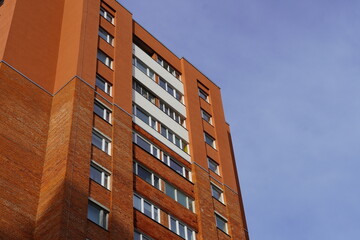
289	73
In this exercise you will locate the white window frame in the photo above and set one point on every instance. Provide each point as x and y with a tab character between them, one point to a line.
108	61
204	95
103	213
211	161
104	174
169	68
106	112
142	236
206	116
107	86
143	91
152	146
105	14
186	228
166	88
217	189
153	207
153	176
106	36
222	218
149	72
213	141
151	119
189	201
105	141
166	158
172	113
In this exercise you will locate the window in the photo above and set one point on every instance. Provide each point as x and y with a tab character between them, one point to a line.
98	214
99	175
102	142
203	95
103	85
107	15
171	113
140	236
105	59
206	116
217	193
170	89
213	166
209	140
221	223
106	36
170	69
102	111
172	137
146	208
144	92
178	196
150	148
141	142
146	175
181	229
176	166
145	117
144	68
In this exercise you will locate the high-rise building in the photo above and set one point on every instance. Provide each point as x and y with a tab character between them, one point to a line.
105	133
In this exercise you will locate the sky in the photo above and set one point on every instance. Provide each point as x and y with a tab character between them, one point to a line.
289	73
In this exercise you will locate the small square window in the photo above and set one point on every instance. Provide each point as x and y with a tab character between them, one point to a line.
206	116
102	111
213	166
209	140
203	95
103	85
217	193
105	14
99	175
105	59
98	214
221	223
101	142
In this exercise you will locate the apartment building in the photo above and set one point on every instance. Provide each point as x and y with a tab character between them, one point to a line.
106	134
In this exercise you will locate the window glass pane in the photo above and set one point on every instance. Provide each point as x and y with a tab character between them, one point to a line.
156	182
144	174
156	214
93	213
97	141
170	191
182	230
141	66
163	131
170	136
209	140
99	110
100	83
143	116
176	166
181	198
173	225
106	181
95	174
221	223
137	202
191	205
162	83
170	90
136	236
143	144
216	193
147	209
190	234
155	152
213	166
203	94
102	57
177	141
